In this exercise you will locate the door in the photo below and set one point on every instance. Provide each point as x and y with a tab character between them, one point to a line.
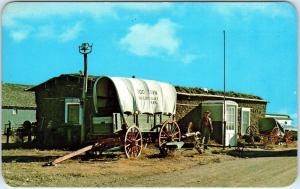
245	120
231	118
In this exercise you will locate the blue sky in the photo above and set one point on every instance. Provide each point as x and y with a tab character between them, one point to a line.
180	43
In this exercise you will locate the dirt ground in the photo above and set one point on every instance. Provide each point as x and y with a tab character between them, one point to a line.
186	167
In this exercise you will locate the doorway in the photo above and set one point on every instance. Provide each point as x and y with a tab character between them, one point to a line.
245	120
231	118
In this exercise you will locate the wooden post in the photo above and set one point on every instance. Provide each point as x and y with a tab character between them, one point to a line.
84	91
84	49
224	107
8	131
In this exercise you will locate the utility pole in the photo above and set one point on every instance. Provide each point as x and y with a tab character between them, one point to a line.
84	49
224	80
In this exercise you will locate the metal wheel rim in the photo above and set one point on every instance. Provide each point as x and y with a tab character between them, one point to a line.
133	142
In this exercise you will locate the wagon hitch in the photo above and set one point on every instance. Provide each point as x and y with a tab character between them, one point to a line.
101	144
70	155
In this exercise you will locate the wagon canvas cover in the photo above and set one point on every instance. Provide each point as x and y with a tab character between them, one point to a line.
138	95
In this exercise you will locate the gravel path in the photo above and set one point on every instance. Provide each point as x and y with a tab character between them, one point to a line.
261	172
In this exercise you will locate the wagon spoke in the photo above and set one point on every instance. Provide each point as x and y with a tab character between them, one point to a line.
174	134
163	137
137	134
166	134
139	139
173	127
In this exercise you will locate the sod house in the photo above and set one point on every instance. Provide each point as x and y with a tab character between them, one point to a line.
59	110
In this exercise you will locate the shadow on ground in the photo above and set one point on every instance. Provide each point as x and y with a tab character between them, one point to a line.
26	159
262	153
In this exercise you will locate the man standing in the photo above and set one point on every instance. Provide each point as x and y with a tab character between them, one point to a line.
206	128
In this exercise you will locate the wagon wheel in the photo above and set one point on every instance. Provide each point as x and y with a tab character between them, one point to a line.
265	140
288	137
251	130
274	135
133	142
169	132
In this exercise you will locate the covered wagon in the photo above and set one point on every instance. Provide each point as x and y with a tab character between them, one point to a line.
130	113
145	107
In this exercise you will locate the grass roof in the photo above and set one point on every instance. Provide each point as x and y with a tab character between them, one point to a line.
14	95
196	90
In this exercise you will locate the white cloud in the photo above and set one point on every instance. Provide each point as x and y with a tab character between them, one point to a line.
149	40
247	9
46	32
14	12
15	16
19	35
70	33
189	58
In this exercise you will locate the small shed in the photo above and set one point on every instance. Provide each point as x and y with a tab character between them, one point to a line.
216	107
59	109
18	105
189	106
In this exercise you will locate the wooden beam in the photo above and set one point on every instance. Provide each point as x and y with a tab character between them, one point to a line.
72	154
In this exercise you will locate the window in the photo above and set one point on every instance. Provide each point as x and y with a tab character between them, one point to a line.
230	122
245	119
73	111
14	111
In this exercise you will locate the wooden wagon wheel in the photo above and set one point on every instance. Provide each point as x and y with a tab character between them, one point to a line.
288	137
251	130
169	132
133	142
274	135
264	139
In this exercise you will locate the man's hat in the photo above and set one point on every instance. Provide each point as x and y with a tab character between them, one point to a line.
207	112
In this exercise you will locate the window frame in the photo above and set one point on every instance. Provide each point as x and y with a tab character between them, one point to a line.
73	101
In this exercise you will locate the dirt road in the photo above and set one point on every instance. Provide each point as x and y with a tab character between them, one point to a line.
185	168
242	172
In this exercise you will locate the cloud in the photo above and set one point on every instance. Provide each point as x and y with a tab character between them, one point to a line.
247	9
19	35
14	12
189	58
70	33
46	32
17	15
150	40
